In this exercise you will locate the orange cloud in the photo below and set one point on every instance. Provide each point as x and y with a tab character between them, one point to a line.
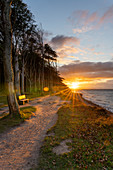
62	61
90	83
66	51
90	70
89	74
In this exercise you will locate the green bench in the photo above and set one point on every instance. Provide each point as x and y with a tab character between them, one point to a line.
22	99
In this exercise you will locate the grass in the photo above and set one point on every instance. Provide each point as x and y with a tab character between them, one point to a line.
91	132
31	96
3	97
3	100
7	121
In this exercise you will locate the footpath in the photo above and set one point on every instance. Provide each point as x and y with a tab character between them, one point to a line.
19	147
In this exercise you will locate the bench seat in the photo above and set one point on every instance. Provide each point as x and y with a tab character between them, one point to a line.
22	99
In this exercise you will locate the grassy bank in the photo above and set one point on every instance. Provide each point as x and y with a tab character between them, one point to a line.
91	132
6	122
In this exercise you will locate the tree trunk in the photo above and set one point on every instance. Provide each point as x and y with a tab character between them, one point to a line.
12	101
30	86
43	64
30	81
39	78
22	78
42	77
17	76
35	82
9	75
49	74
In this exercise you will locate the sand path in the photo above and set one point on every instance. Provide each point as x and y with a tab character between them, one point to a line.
19	147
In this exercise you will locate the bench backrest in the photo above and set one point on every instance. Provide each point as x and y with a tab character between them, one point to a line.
22	97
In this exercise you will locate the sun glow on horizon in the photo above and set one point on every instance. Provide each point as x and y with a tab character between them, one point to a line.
73	85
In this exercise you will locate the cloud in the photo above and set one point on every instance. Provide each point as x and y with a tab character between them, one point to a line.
64	46
82	29
110	82
88	69
88	74
61	61
107	16
82	17
67	50
104	85
61	40
98	53
91	18
93	51
73	57
86	21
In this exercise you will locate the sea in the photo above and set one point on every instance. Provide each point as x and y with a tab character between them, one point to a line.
103	97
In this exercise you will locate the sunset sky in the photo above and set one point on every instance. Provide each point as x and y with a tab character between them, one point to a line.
81	32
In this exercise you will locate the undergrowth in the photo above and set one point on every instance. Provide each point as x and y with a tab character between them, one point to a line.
6	121
91	132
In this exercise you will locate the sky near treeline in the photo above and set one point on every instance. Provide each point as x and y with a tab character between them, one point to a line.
81	32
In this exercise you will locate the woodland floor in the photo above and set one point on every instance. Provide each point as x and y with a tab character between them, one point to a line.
19	146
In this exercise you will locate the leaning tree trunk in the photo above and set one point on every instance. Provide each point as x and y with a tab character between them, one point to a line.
9	76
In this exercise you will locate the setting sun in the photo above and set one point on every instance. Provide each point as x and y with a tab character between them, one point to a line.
74	85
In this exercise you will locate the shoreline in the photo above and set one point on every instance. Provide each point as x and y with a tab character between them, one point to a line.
105	104
98	106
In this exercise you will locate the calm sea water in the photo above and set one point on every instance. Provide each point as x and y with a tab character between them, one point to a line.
103	98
